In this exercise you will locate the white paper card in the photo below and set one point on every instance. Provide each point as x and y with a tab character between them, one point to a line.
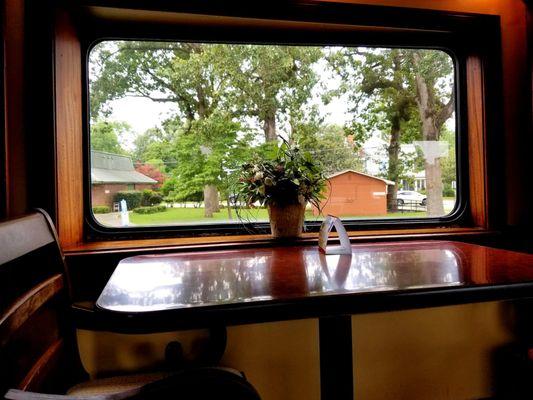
329	222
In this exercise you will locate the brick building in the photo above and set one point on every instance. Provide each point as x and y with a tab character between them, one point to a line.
352	193
112	173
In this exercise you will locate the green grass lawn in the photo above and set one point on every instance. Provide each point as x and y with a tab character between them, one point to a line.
195	215
175	215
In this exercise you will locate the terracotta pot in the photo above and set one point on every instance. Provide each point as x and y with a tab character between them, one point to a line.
286	220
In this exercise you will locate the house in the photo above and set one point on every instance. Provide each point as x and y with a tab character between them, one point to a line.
414	181
352	193
112	173
374	153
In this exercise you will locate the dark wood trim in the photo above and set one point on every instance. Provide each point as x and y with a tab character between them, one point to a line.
306	10
229	242
40	104
69	150
27	305
460	31
336	364
41	369
16	163
477	142
3	137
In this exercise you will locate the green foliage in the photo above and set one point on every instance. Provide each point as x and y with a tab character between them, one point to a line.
449	164
291	177
105	136
133	198
180	73
155	147
220	90
448	191
150	209
208	154
270	81
169	186
101	209
170	198
331	149
150	198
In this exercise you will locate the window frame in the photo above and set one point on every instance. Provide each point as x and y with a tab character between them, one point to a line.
379	26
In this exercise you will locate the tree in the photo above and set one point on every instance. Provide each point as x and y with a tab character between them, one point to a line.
270	81
331	148
180	73
436	103
408	94
164	72
105	136
448	164
380	75
152	171
207	157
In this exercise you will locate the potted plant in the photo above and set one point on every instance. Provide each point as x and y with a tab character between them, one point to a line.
284	183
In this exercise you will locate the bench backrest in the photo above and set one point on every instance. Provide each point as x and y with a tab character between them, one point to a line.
36	340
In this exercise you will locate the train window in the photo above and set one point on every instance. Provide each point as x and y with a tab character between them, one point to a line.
172	123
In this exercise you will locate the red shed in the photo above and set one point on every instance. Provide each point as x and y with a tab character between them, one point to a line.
352	193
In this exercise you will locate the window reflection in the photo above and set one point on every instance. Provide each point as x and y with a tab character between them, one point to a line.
386	270
149	283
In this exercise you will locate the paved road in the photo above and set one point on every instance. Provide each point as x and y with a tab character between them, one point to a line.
110	219
448	204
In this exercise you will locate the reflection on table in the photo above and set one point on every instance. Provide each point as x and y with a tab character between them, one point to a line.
172	281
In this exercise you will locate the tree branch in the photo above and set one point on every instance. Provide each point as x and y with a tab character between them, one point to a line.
445	112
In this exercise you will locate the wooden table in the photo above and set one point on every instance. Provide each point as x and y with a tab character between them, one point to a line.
193	290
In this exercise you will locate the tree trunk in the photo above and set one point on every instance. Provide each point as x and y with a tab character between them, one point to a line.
435	207
216	207
430	132
230	216
269	127
393	172
210	200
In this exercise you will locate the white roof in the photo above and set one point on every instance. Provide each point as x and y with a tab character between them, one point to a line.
115	168
360	173
101	175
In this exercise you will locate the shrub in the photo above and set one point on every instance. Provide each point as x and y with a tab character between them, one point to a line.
150	198
150	210
170	198
447	191
133	198
100	209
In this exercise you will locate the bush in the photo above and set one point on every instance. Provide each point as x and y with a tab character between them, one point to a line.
150	210
100	209
133	198
447	191
150	198
170	198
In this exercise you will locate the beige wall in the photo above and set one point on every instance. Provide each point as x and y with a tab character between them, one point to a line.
437	353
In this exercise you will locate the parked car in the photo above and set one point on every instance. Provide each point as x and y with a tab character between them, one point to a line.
410	197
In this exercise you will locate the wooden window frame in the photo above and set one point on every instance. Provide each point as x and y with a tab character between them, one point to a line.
478	102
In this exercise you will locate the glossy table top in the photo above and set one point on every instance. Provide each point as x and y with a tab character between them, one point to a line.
295	275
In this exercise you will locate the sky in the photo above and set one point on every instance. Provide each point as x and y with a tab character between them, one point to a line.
142	114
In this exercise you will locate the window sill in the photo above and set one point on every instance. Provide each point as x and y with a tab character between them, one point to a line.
203	243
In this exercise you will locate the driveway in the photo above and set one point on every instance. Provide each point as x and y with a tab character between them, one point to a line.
110	219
